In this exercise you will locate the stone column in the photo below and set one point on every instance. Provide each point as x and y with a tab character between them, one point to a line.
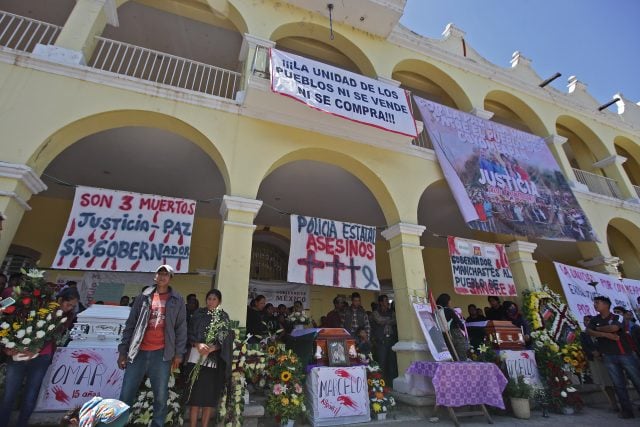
76	41
17	184
407	272
234	254
612	167
555	143
523	266
602	264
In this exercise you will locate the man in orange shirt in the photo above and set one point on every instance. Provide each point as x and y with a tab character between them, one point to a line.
153	342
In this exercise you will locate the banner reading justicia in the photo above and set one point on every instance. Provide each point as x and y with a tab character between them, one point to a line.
504	180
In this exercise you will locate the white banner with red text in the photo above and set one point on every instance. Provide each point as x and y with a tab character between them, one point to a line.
122	231
76	375
521	363
338	394
480	268
581	286
342	93
332	253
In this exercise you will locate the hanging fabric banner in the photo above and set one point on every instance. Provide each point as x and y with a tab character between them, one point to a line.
480	268
332	253
342	93
580	286
122	231
504	180
278	293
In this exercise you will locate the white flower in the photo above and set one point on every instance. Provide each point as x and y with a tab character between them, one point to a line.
5	325
35	274
26	341
32	313
563	394
39	334
48	317
29	329
40	323
565	378
50	327
10	344
571	389
20	333
58	313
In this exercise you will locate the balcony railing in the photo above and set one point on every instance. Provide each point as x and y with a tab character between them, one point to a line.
159	67
23	34
423	140
599	184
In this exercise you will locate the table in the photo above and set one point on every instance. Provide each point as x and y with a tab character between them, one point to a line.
463	383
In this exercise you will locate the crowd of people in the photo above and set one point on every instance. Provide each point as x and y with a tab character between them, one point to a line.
375	330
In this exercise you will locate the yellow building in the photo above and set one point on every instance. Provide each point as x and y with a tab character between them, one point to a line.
172	97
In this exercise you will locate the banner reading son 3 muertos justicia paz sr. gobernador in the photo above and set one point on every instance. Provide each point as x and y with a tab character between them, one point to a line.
504	180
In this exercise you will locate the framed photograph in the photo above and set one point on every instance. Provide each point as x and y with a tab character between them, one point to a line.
337	353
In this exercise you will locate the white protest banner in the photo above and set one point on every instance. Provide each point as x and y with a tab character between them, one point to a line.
480	268
122	231
521	363
432	333
632	288
76	375
338	393
332	253
580	286
281	293
342	93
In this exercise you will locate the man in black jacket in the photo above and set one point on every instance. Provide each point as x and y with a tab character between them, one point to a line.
153	342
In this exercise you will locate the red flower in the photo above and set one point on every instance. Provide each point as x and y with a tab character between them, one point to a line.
10	309
26	301
36	292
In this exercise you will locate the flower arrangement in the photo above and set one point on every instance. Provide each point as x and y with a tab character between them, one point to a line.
573	356
484	353
231	405
380	399
286	398
561	391
299	318
256	363
217	332
142	409
34	319
519	388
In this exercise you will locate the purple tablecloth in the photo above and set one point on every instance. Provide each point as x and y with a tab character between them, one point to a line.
463	383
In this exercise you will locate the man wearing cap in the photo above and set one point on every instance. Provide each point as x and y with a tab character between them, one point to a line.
153	342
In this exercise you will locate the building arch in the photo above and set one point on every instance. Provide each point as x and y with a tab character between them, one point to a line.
427	79
71	133
512	111
622	238
361	171
342	51
583	147
631	150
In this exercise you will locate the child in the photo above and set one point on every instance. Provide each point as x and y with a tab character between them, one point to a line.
98	412
362	341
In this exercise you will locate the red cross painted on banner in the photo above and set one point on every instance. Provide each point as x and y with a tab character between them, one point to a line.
311	263
353	269
564	320
337	266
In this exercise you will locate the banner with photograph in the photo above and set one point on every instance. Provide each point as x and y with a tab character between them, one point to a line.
342	93
76	375
332	253
108	287
122	231
480	268
581	286
432	333
521	363
504	180
281	293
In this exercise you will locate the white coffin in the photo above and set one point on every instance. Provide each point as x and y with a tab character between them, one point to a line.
99	326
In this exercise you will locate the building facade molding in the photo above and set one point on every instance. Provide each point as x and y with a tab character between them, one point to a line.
24	174
608	161
19	200
241	204
483	114
403	228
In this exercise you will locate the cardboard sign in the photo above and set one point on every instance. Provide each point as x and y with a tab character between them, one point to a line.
503	180
480	268
581	286
432	333
340	392
523	363
332	253
342	93
76	375
121	231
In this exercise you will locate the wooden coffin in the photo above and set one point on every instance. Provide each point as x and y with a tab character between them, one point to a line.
504	335
334	347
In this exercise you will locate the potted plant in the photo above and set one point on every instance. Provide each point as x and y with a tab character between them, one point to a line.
519	392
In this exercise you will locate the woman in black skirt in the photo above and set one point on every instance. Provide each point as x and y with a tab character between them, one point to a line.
206	390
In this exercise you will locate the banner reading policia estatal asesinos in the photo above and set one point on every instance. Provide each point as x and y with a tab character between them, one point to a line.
504	180
342	93
332	253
